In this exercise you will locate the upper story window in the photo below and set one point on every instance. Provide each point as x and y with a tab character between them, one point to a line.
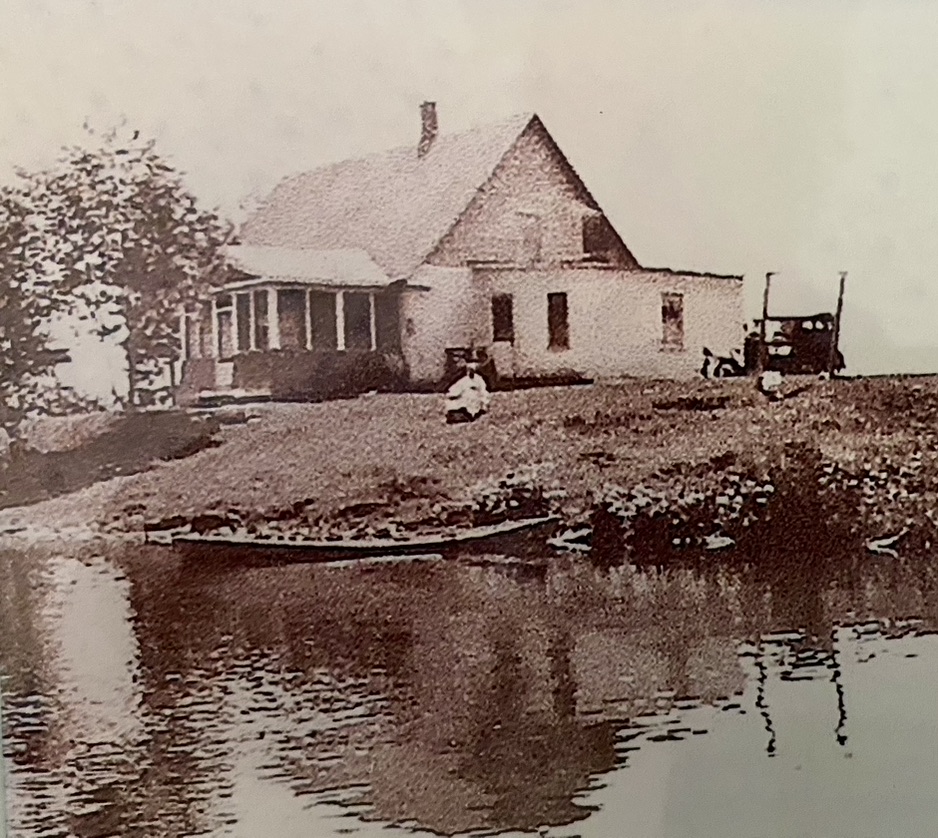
532	237
599	239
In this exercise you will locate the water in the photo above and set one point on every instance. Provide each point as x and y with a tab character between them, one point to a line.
144	698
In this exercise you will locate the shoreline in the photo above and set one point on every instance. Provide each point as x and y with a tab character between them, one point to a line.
375	462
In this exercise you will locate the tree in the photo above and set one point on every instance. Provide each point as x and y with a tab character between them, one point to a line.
132	247
27	303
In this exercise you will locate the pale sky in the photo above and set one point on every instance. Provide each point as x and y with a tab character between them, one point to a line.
799	137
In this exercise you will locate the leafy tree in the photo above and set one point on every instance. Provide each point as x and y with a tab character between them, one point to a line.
131	245
27	303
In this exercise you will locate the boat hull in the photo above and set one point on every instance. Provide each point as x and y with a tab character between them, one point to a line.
516	538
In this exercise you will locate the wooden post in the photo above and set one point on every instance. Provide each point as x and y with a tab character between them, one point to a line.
340	320
763	351
216	338
235	328
273	319
252	336
835	338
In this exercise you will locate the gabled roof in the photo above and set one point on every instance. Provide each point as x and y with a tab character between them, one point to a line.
393	205
305	266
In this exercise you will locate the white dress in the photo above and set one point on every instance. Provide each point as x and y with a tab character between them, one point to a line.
469	394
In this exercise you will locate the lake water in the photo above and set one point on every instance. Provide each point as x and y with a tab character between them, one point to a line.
146	697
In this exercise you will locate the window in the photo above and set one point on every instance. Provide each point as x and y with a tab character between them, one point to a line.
224	326
558	328
206	331
192	343
226	344
322	320
357	320
503	318
260	319
531	237
387	322
672	321
243	304
291	303
599	239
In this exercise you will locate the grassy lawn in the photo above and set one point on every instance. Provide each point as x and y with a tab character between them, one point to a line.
395	452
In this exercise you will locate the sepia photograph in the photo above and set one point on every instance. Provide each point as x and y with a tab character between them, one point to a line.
468	418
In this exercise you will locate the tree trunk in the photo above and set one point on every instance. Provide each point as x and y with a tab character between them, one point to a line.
131	374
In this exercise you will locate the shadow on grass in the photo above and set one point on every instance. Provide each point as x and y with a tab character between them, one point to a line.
129	446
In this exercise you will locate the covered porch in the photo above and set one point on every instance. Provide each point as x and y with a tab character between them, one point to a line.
295	324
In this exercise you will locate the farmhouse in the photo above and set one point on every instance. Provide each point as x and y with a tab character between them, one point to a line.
385	271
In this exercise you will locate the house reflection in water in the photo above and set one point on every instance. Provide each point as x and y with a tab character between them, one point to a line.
450	697
494	703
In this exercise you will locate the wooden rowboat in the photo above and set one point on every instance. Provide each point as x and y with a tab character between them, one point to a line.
517	538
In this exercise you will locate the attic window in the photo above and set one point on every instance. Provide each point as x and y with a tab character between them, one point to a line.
599	238
532	236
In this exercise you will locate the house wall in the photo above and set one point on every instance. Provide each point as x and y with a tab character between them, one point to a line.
450	311
615	323
534	178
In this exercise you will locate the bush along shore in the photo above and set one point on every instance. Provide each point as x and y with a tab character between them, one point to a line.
800	504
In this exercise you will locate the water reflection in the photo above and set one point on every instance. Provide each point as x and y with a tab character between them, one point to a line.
144	697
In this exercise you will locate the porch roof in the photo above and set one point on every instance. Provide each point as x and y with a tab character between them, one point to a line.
335	268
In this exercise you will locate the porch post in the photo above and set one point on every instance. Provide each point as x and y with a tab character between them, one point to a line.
216	338
273	319
371	321
340	321
183	334
252	337
309	321
236	332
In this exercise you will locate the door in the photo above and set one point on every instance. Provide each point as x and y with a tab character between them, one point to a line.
226	341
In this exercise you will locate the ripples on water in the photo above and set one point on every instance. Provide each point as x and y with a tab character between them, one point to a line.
142	698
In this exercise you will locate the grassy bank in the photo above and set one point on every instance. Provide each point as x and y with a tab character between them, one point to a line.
391	458
59	457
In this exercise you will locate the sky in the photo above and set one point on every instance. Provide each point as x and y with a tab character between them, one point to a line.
734	137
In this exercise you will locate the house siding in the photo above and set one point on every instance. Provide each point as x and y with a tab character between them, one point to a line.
447	309
615	323
533	179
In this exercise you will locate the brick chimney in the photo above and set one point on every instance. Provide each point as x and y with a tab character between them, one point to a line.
428	127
